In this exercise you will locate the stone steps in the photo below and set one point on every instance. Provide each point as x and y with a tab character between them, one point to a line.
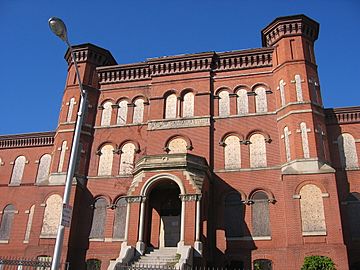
158	257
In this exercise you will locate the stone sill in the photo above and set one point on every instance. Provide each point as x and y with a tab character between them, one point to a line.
248	169
249	238
47	236
4	241
244	115
317	233
96	239
110	176
117	126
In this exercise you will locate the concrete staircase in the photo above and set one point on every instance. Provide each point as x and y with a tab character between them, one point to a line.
163	257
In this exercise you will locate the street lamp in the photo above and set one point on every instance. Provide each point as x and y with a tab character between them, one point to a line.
58	27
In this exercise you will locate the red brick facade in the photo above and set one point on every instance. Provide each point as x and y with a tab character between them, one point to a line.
306	156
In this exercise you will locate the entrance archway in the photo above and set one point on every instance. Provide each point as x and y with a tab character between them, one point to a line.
164	214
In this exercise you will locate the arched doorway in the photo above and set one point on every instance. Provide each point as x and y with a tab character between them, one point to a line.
164	214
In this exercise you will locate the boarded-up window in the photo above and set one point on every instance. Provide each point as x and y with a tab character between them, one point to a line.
138	111
232	153
304	140
312	210
263	264
177	145
62	156
257	151
44	168
7	221
347	151
242	102
260	100
18	170
127	158
224	103
353	214
99	218
52	216
70	110
120	219
287	143
188	105
106	159
282	92
106	114
299	95
233	215
260	214
122	112
170	106
29	223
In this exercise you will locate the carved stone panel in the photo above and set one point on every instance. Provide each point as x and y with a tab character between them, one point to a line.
224	103
62	156
260	100
312	209
70	110
127	159
122	112
44	168
170	106
179	123
18	170
188	105
242	102
232	153
52	216
282	92
287	144
304	140
177	145
347	151
257	151
106	160
299	95
138	111
106	114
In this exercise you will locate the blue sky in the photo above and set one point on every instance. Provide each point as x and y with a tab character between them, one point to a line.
33	70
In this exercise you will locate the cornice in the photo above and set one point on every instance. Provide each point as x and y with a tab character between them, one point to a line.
342	115
27	140
188	63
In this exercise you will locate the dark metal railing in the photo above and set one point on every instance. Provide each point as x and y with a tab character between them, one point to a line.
10	263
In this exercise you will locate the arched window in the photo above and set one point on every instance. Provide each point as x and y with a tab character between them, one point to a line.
257	151
170	106
44	168
177	145
52	215
70	110
353	210
232	153
18	170
93	264
29	223
138	111
127	158
7	221
234	215
287	144
260	100
347	151
106	160
122	113
188	105
263	264
260	214
99	218
312	210
106	114
224	103
120	219
62	156
304	140
242	102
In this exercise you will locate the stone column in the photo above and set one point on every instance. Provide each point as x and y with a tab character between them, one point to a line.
140	245
198	243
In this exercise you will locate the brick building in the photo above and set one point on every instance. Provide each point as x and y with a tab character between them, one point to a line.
227	159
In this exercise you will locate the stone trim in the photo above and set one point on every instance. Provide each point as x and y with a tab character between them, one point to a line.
315	233
248	169
4	241
179	123
119	126
190	197
27	140
47	236
245	115
96	239
135	199
249	238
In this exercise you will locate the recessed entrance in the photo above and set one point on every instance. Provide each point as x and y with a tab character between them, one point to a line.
164	214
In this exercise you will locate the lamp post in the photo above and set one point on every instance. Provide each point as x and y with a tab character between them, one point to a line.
58	27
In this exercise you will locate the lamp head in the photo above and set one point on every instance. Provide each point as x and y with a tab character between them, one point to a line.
58	27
